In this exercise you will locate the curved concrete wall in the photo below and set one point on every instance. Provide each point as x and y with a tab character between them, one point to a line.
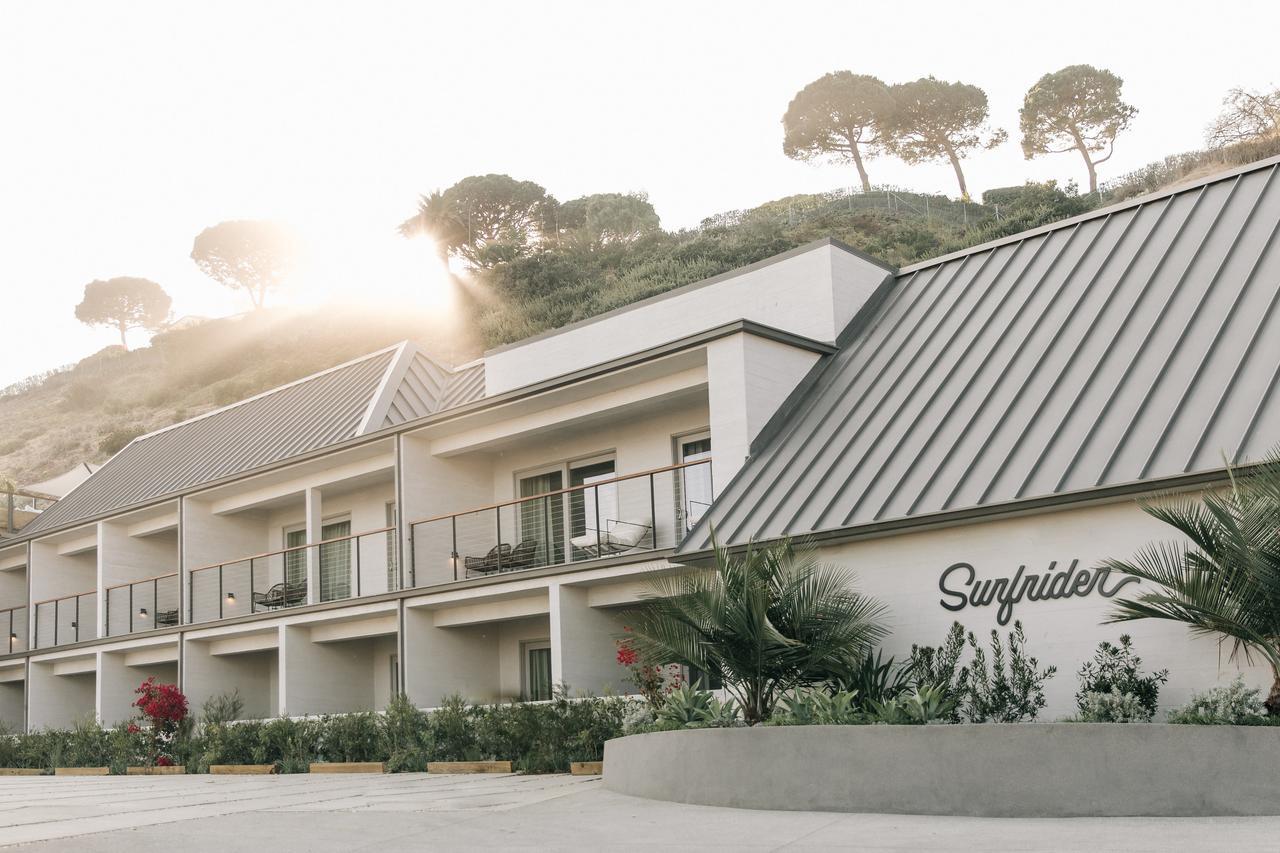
1022	770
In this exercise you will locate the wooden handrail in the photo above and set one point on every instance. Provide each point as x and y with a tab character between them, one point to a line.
596	485
293	548
11	609
64	597
140	580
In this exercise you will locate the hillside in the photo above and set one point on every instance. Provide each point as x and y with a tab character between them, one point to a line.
90	410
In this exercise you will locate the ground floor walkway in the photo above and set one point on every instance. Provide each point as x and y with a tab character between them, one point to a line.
418	811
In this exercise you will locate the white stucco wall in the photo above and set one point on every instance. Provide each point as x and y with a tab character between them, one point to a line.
813	294
903	572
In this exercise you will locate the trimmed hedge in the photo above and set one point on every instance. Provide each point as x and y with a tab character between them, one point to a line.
541	737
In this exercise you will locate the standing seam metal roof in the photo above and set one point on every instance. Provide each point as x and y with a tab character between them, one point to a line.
1140	343
308	414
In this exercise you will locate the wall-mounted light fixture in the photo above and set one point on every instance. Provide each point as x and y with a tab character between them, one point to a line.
142	613
231	598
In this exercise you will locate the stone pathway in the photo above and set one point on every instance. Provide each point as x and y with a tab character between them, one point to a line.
419	811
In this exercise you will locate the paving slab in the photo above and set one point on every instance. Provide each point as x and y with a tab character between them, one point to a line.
411	811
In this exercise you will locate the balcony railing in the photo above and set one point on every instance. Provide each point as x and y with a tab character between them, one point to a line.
68	619
632	513
277	580
13	622
143	605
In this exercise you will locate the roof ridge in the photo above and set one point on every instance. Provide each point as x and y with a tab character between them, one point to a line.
1136	201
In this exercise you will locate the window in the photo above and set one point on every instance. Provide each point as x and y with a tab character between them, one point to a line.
335	560
542	521
537	670
591	510
553	521
693	485
395	676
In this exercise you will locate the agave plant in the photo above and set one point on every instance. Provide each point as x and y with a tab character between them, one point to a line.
765	621
1224	580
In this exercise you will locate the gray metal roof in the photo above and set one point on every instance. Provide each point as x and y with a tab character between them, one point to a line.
1138	343
305	415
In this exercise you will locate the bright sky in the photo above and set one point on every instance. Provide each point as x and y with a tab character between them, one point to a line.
126	128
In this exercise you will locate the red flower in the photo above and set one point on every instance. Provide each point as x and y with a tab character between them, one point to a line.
627	656
164	761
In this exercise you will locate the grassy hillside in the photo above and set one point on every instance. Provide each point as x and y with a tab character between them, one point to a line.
88	411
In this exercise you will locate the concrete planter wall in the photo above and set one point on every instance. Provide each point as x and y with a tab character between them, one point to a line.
1022	770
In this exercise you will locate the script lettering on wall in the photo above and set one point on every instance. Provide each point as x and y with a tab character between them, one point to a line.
961	588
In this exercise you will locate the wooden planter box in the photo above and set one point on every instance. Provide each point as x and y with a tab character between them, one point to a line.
348	767
468	766
155	771
586	768
81	771
21	771
242	769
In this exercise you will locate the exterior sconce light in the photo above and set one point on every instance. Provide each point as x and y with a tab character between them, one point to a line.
142	613
75	624
231	598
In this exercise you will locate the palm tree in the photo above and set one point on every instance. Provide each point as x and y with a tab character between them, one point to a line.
765	621
1225	579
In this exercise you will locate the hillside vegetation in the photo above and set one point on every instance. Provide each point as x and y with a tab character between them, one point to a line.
90	410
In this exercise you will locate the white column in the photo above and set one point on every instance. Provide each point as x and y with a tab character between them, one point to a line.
583	651
315	524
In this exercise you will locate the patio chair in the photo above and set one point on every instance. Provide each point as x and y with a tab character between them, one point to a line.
281	595
617	537
488	564
166	617
523	556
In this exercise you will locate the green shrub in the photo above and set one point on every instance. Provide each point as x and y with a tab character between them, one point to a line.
1234	704
453	732
1012	691
689	708
405	736
349	737
116	440
939	666
1113	688
927	704
291	745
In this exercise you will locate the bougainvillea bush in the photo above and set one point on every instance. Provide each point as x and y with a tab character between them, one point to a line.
162	710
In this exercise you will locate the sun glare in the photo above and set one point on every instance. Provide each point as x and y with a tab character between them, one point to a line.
374	270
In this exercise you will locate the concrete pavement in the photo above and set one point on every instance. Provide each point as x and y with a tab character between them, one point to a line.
417	811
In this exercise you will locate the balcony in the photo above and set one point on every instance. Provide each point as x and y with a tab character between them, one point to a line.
614	517
278	580
142	605
68	619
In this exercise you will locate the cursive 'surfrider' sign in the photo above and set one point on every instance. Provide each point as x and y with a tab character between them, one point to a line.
959	583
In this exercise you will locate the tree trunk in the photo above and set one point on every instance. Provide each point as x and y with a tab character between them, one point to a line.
1273	698
862	172
1088	163
955	164
124	341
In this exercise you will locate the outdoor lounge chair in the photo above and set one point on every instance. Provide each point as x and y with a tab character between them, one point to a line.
489	563
617	537
281	595
523	556
166	617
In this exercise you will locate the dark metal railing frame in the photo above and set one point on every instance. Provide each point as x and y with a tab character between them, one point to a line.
155	600
498	507
352	537
57	604
10	634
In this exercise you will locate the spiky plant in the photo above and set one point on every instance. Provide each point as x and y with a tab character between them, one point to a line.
1224	579
766	620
